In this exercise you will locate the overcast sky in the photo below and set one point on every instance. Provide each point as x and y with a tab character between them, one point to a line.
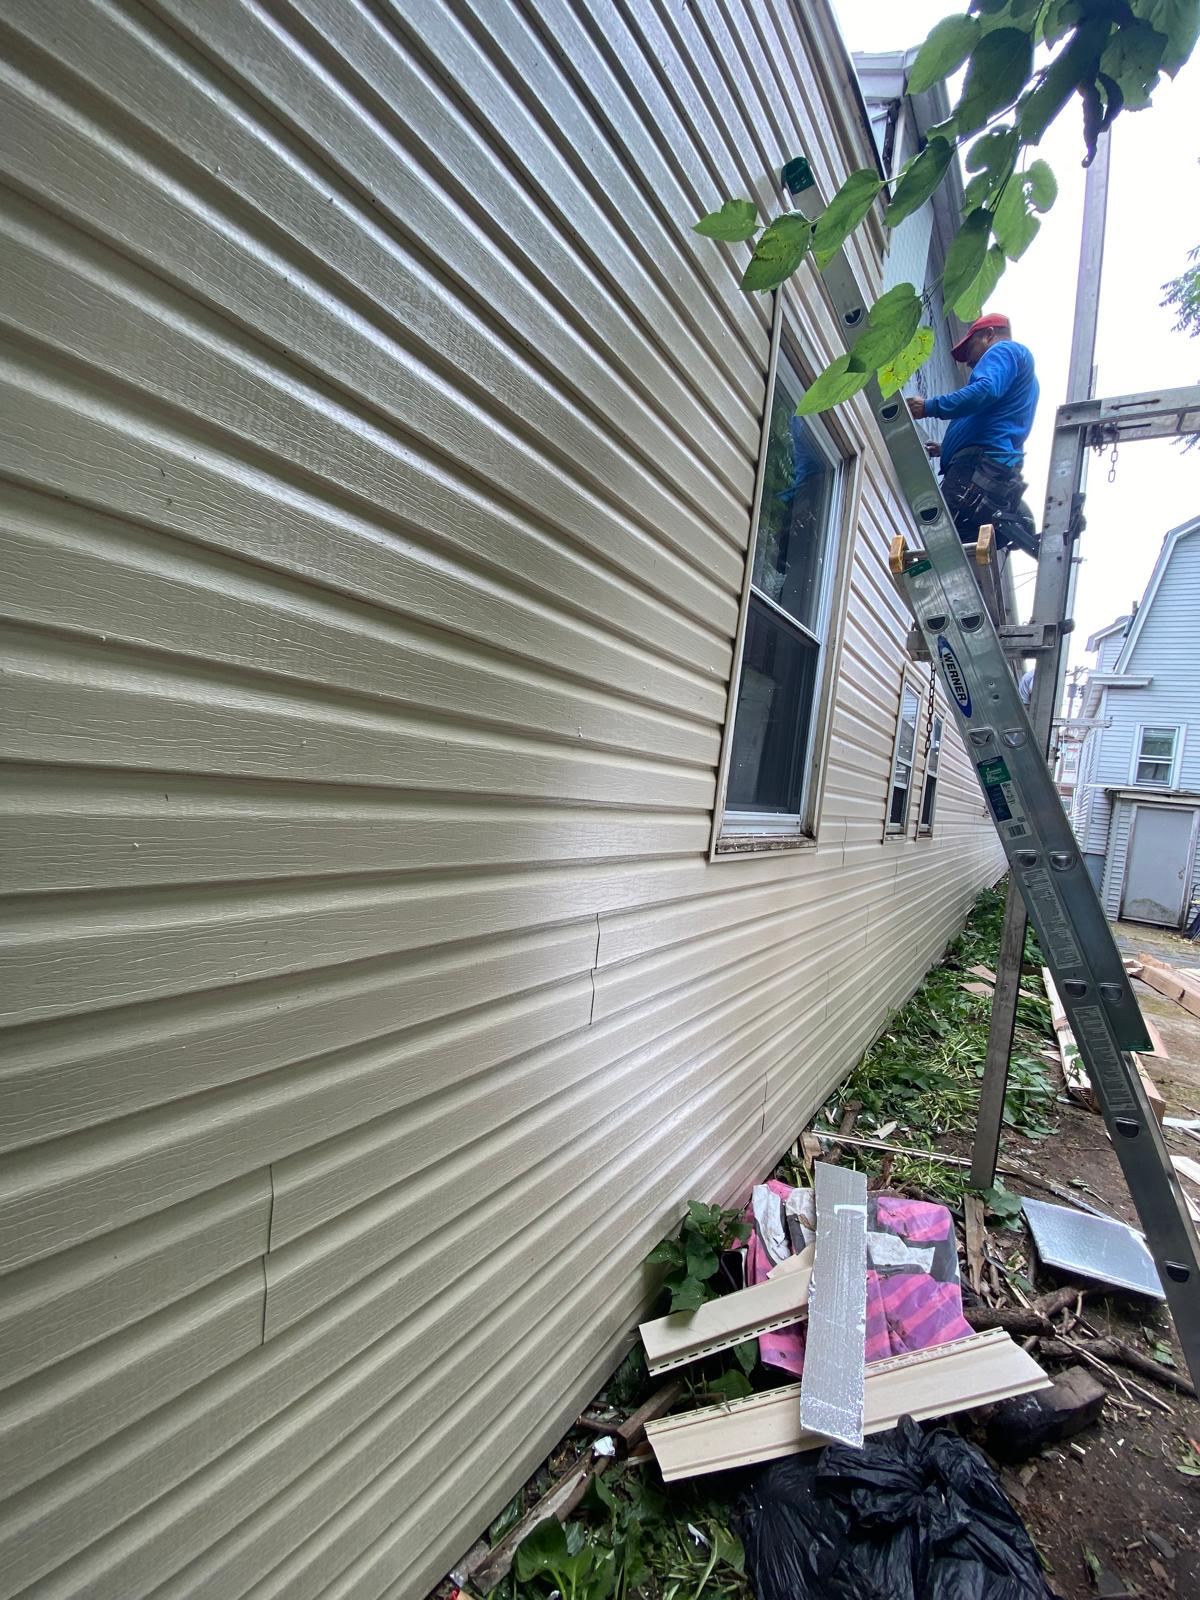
1153	220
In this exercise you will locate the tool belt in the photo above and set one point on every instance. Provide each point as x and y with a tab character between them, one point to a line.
979	490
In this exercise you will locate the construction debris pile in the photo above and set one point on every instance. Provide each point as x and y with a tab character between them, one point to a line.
855	1383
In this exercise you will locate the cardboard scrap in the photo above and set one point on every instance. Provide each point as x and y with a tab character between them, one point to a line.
1181	986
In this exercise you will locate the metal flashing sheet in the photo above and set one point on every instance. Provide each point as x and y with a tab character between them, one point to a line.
1094	1247
831	1389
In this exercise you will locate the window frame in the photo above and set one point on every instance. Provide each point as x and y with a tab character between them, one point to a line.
738	833
933	764
1179	730
899	830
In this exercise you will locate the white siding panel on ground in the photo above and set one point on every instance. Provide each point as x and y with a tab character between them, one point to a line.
381	448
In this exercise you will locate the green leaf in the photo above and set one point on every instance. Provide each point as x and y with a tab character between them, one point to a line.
995	151
1061	16
543	1549
1179	22
977	191
965	255
701	1260
1132	58
747	1355
669	1253
1000	67
944	51
736	220
1014	227
919	179
1000	1203
778	251
1041	184
702	1216
730	1385
893	320
896	373
1077	62
844	213
971	302
688	1295
837	383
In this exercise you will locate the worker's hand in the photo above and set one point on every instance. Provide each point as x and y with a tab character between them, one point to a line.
932	447
916	407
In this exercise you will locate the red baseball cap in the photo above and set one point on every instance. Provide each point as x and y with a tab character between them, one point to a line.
994	319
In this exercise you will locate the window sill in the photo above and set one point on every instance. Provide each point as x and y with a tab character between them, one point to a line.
744	844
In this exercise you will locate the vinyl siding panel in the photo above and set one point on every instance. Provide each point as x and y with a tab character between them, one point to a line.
382	445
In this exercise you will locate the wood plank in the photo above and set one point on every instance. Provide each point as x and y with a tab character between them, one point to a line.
673	1341
831	1390
1182	987
958	1376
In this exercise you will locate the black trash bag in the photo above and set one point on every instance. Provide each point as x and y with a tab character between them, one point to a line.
910	1516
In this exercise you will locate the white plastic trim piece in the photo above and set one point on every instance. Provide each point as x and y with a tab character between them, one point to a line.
720	1324
926	1383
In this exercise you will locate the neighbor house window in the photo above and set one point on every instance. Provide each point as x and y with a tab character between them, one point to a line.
787	609
1155	760
932	762
903	757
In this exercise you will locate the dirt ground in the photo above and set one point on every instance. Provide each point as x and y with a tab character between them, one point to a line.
1118	1493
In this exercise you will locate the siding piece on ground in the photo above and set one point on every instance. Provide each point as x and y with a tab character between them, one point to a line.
975	1371
381	452
831	1390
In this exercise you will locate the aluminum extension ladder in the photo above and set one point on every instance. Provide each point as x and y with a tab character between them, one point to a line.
1042	852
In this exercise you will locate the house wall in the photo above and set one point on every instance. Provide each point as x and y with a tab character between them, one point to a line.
1164	649
382	445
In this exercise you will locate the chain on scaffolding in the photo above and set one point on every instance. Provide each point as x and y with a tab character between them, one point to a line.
1099	446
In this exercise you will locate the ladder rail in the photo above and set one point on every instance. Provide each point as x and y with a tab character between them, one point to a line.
1043	854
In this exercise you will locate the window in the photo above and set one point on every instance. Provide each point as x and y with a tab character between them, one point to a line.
1155	761
773	745
903	757
932	762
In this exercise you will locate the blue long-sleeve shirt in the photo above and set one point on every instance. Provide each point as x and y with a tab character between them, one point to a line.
994	411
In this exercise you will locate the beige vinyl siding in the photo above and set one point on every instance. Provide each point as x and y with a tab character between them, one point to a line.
380	450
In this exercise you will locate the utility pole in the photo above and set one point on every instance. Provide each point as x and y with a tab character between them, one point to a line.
1053	603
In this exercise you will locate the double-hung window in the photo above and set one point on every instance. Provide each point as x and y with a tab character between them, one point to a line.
773	746
932	762
904	755
1157	753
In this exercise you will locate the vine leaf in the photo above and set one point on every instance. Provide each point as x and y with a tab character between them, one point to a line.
965	255
837	383
1077	63
844	213
893	321
1132	58
1013	224
894	374
919	179
971	302
999	69
1179	23
735	221
778	251
947	47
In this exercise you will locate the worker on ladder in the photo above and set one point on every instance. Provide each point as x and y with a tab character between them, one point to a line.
984	448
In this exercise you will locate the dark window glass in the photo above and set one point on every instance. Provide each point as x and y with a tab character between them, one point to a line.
910	705
1156	756
771	730
932	763
785	622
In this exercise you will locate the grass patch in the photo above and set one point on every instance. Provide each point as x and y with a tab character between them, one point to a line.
925	1069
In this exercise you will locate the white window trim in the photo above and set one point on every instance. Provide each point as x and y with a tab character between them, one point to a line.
1180	731
893	831
739	833
924	830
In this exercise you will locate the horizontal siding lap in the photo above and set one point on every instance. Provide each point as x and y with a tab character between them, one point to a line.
381	463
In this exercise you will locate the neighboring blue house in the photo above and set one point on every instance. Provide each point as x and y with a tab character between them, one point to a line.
1136	808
